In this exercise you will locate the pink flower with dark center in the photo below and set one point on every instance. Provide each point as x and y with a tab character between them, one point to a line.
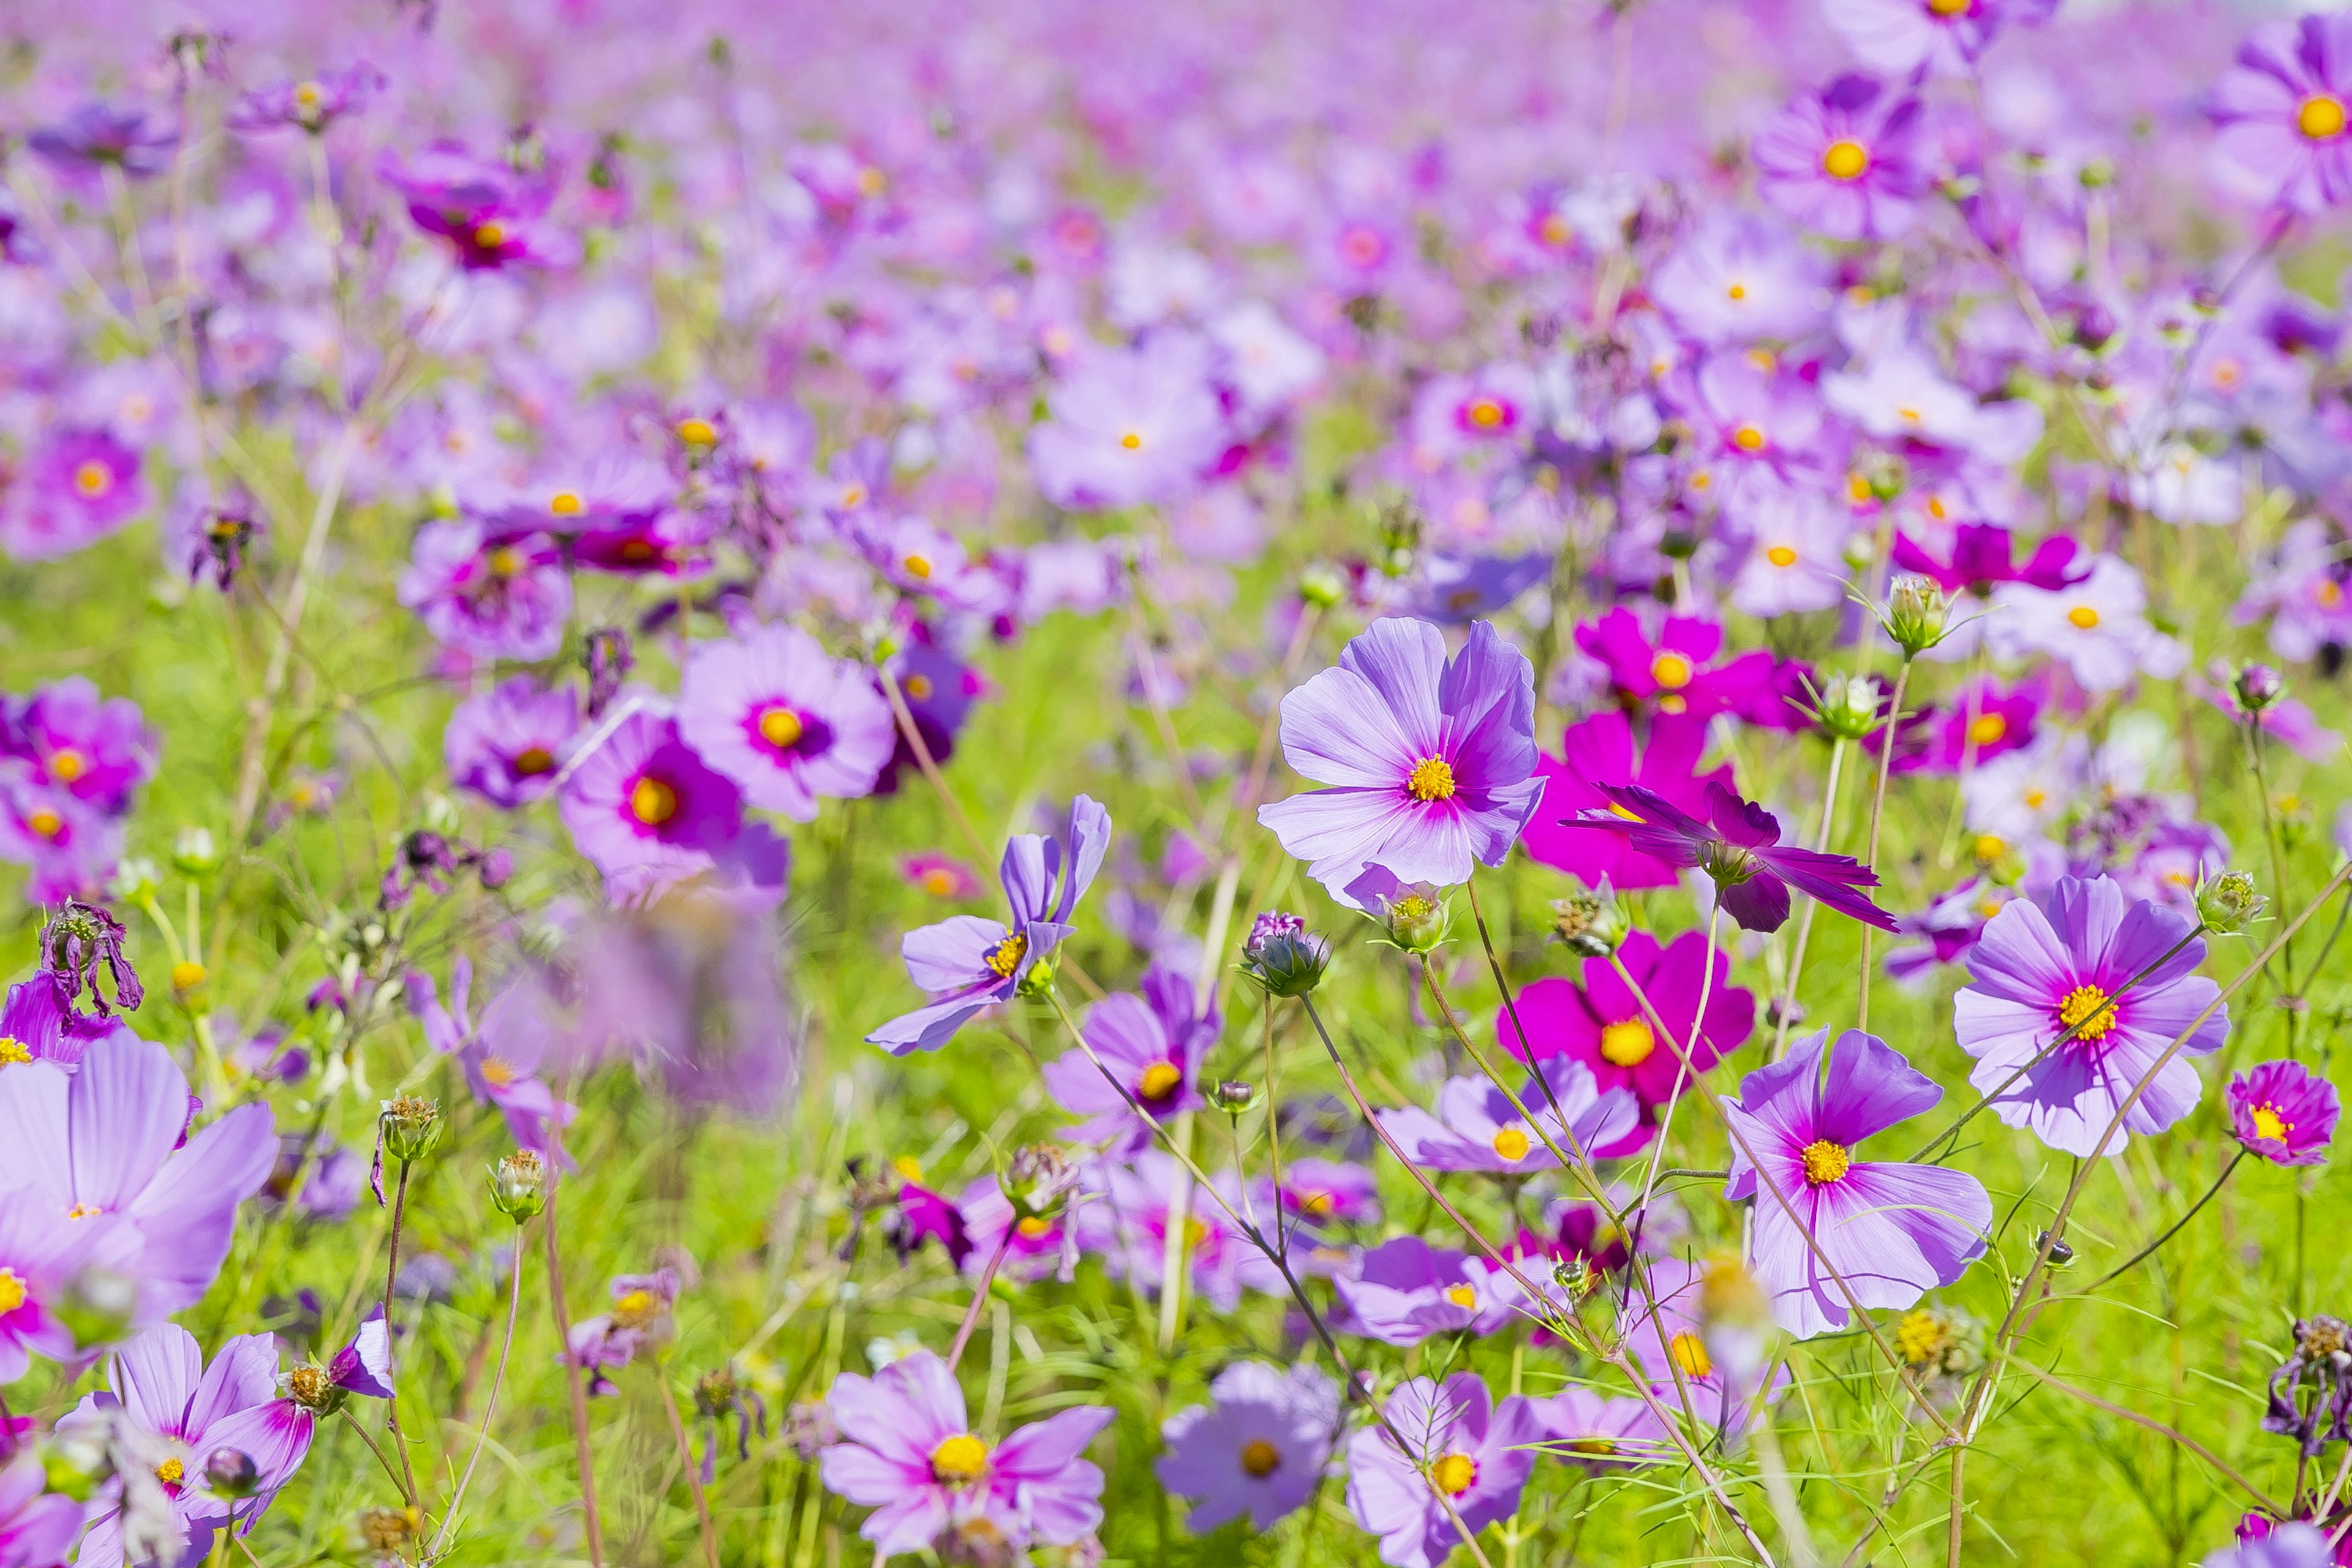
1602	1025
647	809
786	722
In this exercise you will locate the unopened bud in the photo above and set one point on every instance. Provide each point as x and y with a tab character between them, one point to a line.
2258	687
412	1126
2061	1254
1038	1181
98	1306
232	1473
1322	586
1590	925
194	852
1916	609
1847	707
2229	903
1232	1096
1038	980
1283	956
519	1186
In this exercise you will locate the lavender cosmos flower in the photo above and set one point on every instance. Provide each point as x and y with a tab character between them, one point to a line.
1739	849
501	1060
2295	1544
314	103
78	488
1405	1289
37	1526
1738	278
1890	1231
1947	36
2097	625
2282	113
1477	1454
1690	1355
1329	1192
647	809
1129	425
491	216
640	1319
506	744
1040	1245
2060	963
1153	1044
1599	1435
1432	759
507	597
1844	163
785	720
909	1453
42	1250
1602	1025
1476	1129
1136	1206
2282	1113
96	133
1599	750
970	962
112	1139
1258	1448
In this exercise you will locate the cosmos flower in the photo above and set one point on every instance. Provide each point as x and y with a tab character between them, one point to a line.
1129	425
2281	1113
1599	1435
1677	672
2294	1544
78	487
37	1526
1739	849
2282	113
1736	279
909	1453
501	1058
1947	36
1982	558
1404	1290
639	1320
1329	1192
2061	962
2287	720
1475	1128
940	875
969	962
1689	1349
1891	1232
96	133
647	809
314	103
1599	750
1600	1024
2097	625
1844	163
1477	1453
1257	1449
1796	554
492	217
1432	759
1040	1245
787	722
507	743
503	598
1154	1043
1128	1222
98	751
2302	587
1951	924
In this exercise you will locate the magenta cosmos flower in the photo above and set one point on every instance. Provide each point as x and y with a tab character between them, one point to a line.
1459	1442
37	1526
1843	163
506	744
2063	961
1475	1128
494	598
2282	113
909	1453
1258	1448
1599	750
1152	1043
491	216
2282	1113
1890	1231
1129	1225
1676	673
785	720
1739	849
969	962
78	488
1600	1024
98	751
1432	759
647	809
1982	557
1404	1290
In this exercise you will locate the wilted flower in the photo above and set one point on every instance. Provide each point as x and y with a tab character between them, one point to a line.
1590	925
2321	1413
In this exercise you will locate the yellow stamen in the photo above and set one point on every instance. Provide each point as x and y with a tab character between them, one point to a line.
1920	1336
1453	1474
2269	1124
1689	1352
66	764
93	480
13	1050
653	802
490	235
187	975
171	1472
1627	1043
1432	779
1670	670
1748	438
697	433
533	761
564	504
1511	1144
1034	1226
1006	956
919	687
2083	617
1781	555
1132	440
1846	158
13	1293
916	567
1738	291
780	727
2078	1009
1463	1296
1825	1162
1988	728
2321	117
1159	1081
1485	413
960	1461
938	882
46	822
495	1071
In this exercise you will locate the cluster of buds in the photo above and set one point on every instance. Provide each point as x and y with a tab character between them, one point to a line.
435	860
1590	925
1283	956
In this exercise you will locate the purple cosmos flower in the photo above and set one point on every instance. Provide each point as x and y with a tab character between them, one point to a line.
787	722
491	216
2097	625
1599	750
501	1060
1131	426
96	751
1947	36
2282	113
1404	1290
2302	587
506	744
940	691
1129	1226
640	1319
37	1526
970	962
1327	1191
112	1139
1479	1460
1982	558
1740	850
1952	926
503	598
2294	1544
2279	1112
2286	720
1040	1246
1154	1043
1708	1371
1892	1232
2060	961
1676	674
1432	759
1602	1026
1844	163
38	1023
919	1214
1736	279
314	103
42	1250
647	809
1601	1435
1983	719
78	488
1258	1448
94	133
909	1453
940	875
1476	1129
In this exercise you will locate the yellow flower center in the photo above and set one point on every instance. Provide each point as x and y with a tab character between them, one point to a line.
636	1310
187	975
2321	117
13	1293
1132	440
2329	593
907	1167
2269	1124
960	1461
93	480
1825	1162
1988	728
2084	617
1846	158
1554	230
1159	1081
1511	1144
533	761
1689	1352
1260	1457
917	566
780	727
1670	670
1748	438
46	822
1032	1226
653	802
2087	1010
564	504
938	883
1601	1446
1317	1203
490	235
1627	1043
1463	1296
872	181
171	1472
1949	8
66	764
1432	779
1453	1474
1485	413
697	433
1781	556
495	1071
506	561
919	687
1006	956
1738	291
308	95
1920	1336
13	1050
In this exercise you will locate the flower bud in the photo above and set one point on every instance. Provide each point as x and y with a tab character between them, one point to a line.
1038	1181
1846	708
193	853
412	1126
134	883
2258	687
1283	956
1416	917
2229	903
1232	1096
1916	609
1321	586
2061	1255
231	1472
1037	980
519	1186
1590	925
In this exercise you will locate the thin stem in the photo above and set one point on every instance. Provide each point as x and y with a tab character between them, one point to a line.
1683	1074
391	1276
1878	811
381	1456
581	1456
921	748
2145	1253
497	1381
1787	1010
686	1463
979	1296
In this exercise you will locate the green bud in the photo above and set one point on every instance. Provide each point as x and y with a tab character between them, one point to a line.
97	1305
1283	956
1039	1180
135	882
1416	918
193	853
1915	609
1846	708
1322	586
1232	1096
1038	980
412	1126
2229	903
519	1186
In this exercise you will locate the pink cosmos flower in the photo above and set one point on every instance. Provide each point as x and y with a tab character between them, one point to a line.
1129	1226
507	743
940	875
78	487
1947	36
1599	750
1981	720
2282	1113
1739	849
1259	1448
96	751
1475	1128
1736	279
1677	672
492	217
647	809
1477	1453
2282	113
1844	163
1601	1435
1129	425
1154	1043
37	1526
1600	1024
909	1453
508	597
501	1060
787	722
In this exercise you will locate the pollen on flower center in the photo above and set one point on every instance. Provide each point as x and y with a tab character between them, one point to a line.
959	1460
93	480
697	433
1781	556
13	1293
506	561
13	1050
171	1472
1736	293
1432	779
1006	956
1260	1457
1949	8
780	728
46	822
1846	158
1627	1043
652	802
1485	413
1032	1228
1670	670
2087	1010
1825	1162
1160	1080
1748	438
1462	1295
66	764
1453	1474
2269	1124
1132	440
1511	1144
2084	617
490	235
919	687
636	1310
2321	117
1988	728
1690	1355
495	1071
